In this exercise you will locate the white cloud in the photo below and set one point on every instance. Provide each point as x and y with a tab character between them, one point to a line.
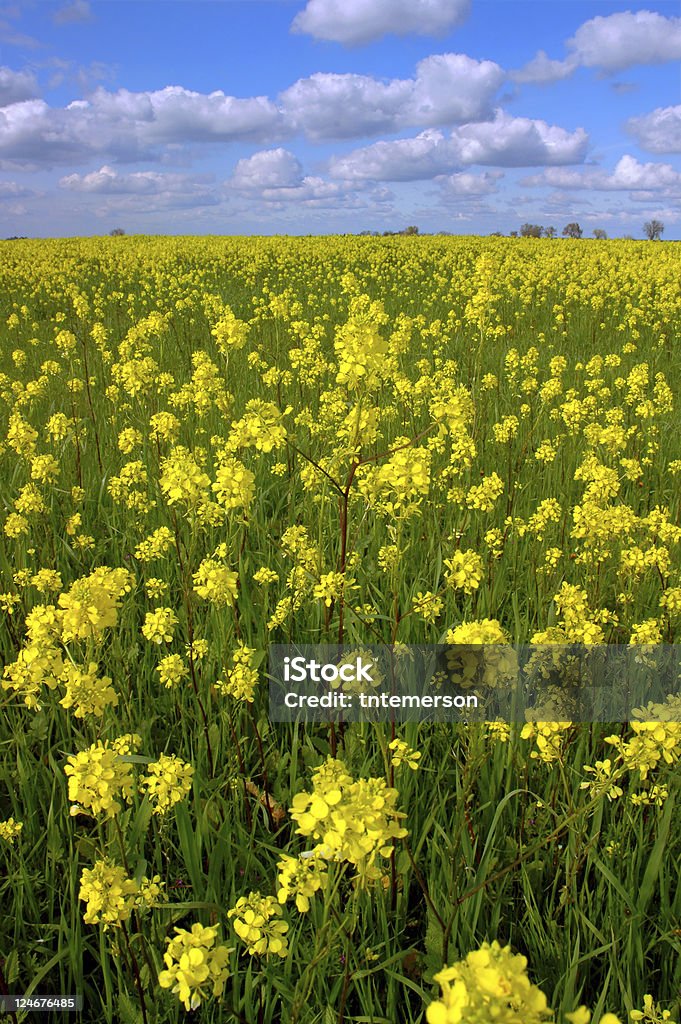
32	135
628	175
448	88
611	42
452	88
519	142
542	69
362	21
505	142
659	131
126	126
344	106
176	114
423	157
13	190
141	192
107	181
16	86
627	38
275	177
464	184
270	168
308	190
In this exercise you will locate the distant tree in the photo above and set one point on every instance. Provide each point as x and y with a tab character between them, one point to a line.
550	232
572	230
531	231
496	234
411	230
513	234
117	232
627	238
653	229
600	234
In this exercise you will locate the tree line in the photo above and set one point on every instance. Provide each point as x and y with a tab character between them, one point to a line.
652	229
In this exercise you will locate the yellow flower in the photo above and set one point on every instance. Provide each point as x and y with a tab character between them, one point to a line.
98	776
169	780
195	965
215	583
85	692
159	625
300	877
108	892
490	984
402	753
10	829
257	922
465	571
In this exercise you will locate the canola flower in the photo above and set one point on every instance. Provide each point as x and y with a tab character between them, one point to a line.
256	920
10	829
353	820
402	753
216	583
99	779
91	604
109	894
197	966
492	984
167	781
300	878
86	692
159	625
241	679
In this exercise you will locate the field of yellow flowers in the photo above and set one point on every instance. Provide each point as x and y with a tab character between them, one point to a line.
212	445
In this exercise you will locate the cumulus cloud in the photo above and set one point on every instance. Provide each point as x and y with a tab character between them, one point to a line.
176	114
144	192
448	88
16	86
542	70
659	131
617	41
125	126
310	190
612	42
107	181
355	22
519	142
464	184
505	142
628	175
275	177
419	158
270	168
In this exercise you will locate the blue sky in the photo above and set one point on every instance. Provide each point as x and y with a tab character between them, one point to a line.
314	116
